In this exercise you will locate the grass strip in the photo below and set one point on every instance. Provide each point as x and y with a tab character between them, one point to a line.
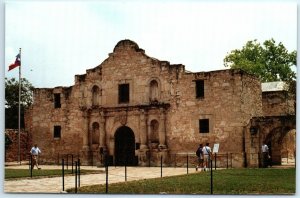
230	181
25	173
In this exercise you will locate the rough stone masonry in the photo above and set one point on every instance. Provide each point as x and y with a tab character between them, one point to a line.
134	108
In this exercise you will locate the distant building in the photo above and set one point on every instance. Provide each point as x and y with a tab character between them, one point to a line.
136	108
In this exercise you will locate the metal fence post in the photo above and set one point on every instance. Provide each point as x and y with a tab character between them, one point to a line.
211	177
215	161
187	164
161	166
75	177
78	172
63	174
227	160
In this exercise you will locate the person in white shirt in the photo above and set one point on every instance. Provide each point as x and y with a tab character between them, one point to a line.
35	151
206	153
266	156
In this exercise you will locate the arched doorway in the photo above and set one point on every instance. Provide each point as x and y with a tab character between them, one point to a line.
278	144
125	147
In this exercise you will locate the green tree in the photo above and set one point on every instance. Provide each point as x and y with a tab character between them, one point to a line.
270	62
12	101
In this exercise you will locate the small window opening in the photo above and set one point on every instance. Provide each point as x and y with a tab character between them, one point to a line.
57	131
57	103
204	125
124	93
200	89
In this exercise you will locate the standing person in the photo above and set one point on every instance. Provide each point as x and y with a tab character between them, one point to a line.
199	154
207	154
35	151
265	153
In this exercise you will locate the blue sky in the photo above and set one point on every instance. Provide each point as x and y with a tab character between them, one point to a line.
60	39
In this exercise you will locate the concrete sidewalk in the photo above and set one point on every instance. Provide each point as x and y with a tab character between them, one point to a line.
115	174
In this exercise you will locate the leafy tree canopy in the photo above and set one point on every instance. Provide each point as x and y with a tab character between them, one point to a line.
12	101
270	62
12	93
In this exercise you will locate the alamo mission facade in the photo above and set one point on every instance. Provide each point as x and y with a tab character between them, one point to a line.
133	106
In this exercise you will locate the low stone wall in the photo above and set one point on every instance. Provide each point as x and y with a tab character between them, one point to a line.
12	151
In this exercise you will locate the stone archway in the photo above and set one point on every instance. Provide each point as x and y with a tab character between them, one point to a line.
274	140
125	147
275	131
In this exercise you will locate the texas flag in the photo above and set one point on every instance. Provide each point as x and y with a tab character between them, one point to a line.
16	63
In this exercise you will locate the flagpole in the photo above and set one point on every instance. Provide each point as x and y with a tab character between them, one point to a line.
19	110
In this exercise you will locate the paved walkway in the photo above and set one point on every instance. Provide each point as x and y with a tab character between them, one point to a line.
116	174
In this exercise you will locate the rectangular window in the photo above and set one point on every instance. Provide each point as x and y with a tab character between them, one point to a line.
57	132
57	101
199	88
124	93
204	125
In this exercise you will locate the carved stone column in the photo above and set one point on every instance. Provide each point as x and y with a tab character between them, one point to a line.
85	135
143	131
162	129
149	132
102	137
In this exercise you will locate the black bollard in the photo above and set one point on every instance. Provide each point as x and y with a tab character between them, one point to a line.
211	177
75	177
227	159
78	172
63	174
215	161
187	164
160	166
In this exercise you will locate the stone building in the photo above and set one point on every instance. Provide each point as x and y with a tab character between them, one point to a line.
135	108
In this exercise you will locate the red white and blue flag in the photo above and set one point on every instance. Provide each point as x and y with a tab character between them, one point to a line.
16	63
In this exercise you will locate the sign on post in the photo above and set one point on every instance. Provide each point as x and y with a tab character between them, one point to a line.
216	148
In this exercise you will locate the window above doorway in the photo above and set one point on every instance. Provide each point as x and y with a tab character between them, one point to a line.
123	93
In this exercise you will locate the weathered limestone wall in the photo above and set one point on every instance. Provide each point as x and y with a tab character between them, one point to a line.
164	117
277	103
45	117
231	98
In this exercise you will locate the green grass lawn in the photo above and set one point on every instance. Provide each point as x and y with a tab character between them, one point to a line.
23	173
231	181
